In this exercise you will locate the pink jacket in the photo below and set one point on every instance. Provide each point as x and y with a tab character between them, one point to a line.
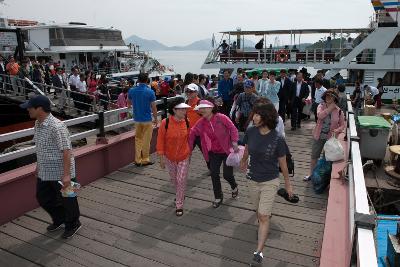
337	120
224	130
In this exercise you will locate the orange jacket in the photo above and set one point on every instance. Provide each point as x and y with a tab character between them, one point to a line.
174	141
192	115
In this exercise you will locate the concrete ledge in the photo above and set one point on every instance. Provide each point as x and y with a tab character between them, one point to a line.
18	187
336	243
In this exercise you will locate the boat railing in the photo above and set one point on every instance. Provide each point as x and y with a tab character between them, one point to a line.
100	119
286	55
361	220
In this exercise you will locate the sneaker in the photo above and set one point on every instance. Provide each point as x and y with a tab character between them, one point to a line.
307	178
235	192
54	227
147	163
216	203
70	233
257	259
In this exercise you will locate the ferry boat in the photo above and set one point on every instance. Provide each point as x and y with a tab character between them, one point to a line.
76	43
372	52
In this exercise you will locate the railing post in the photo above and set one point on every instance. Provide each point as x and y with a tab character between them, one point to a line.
101	137
165	108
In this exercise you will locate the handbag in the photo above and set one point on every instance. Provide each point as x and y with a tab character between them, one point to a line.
333	149
289	161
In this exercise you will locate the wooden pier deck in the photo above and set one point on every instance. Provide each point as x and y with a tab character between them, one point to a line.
129	220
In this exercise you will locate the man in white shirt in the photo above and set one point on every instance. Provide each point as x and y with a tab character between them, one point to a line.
319	91
262	84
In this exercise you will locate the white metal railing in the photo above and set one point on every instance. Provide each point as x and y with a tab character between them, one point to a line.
361	221
286	55
99	117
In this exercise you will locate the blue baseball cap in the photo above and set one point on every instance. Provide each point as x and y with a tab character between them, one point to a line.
37	101
248	84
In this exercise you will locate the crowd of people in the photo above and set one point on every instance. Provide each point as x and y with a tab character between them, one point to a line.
198	120
256	106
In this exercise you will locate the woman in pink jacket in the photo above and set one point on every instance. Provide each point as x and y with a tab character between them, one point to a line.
330	122
218	136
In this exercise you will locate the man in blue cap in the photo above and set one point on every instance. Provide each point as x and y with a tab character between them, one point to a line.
245	102
55	164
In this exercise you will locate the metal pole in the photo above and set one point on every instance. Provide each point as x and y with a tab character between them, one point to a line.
165	108
100	124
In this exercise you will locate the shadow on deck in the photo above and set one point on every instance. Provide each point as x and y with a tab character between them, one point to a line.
129	220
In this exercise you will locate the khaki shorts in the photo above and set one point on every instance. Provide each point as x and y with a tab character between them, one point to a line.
262	195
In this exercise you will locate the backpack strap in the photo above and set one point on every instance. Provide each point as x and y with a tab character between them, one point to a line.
187	123
166	123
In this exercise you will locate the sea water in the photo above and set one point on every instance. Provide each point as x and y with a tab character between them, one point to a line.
184	61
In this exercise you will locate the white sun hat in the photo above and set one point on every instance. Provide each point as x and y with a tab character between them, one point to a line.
182	105
204	104
192	87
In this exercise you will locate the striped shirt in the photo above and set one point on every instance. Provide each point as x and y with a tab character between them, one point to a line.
52	138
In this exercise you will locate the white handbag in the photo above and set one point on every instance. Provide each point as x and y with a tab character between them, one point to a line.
333	149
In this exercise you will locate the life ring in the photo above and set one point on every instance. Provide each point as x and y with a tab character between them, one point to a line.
282	55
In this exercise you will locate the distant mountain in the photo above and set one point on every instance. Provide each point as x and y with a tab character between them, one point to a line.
145	44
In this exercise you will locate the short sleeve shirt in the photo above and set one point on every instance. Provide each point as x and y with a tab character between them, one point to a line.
51	139
245	103
264	152
141	97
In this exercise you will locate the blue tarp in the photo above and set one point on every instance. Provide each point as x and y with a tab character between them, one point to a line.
384	228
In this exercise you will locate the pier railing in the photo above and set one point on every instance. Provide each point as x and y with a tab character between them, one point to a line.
361	220
282	56
100	119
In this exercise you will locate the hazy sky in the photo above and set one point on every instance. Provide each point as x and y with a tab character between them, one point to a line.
180	22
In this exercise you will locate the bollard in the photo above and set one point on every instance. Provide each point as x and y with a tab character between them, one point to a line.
101	137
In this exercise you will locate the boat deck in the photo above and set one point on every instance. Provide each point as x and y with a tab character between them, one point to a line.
129	220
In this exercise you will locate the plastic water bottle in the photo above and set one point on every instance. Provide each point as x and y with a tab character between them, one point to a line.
71	190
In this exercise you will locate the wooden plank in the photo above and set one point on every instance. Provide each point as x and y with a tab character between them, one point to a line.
174	235
245	219
95	230
106	251
10	260
279	208
193	180
245	233
127	206
38	236
33	253
205	183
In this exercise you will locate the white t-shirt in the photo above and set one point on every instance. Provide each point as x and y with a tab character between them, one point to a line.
73	80
374	91
280	127
81	86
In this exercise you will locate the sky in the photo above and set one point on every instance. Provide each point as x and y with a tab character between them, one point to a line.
181	22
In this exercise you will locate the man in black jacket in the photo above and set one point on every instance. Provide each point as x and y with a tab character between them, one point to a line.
284	93
299	94
60	83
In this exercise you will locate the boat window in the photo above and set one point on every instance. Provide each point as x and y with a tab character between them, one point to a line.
391	78
396	42
355	76
93	34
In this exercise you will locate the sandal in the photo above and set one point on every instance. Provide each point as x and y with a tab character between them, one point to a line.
235	192
216	203
282	192
179	212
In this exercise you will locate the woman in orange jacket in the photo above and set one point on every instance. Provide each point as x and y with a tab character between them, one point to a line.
173	148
